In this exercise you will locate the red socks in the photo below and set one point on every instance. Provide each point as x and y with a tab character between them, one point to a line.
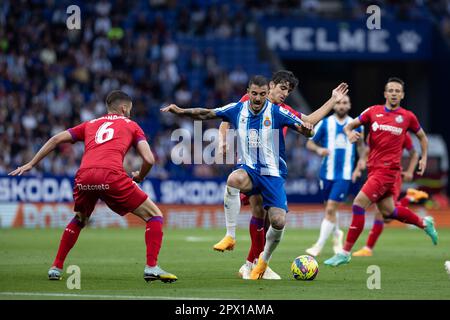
374	234
68	240
405	215
257	236
355	228
153	239
403	202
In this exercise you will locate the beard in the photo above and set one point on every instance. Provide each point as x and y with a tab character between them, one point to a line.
341	114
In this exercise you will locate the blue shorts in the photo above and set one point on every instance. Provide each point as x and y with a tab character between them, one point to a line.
336	190
271	188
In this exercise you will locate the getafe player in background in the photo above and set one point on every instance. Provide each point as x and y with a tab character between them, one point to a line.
412	196
388	125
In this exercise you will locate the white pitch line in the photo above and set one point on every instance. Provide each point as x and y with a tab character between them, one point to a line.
74	295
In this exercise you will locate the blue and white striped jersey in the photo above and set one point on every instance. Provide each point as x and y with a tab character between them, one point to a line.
339	164
260	137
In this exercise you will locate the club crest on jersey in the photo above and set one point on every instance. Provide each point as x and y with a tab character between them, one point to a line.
267	122
399	119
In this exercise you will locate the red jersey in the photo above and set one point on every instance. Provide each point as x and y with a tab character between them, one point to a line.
107	140
407	144
388	129
283	105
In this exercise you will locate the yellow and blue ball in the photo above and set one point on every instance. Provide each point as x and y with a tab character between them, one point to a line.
304	267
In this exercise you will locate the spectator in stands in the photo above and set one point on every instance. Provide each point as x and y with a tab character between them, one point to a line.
51	79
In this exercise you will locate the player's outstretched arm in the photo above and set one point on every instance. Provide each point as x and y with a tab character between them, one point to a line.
424	148
148	160
408	175
352	135
194	113
48	147
337	94
312	146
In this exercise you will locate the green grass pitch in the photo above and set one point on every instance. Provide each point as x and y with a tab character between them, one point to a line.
112	261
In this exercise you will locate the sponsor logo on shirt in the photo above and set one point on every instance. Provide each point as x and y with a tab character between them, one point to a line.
288	113
379	115
253	138
92	187
399	119
384	127
341	141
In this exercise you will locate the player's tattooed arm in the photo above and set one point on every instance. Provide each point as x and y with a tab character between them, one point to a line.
424	146
337	94
48	147
353	135
194	113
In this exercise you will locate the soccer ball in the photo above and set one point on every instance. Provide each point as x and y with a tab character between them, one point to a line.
304	268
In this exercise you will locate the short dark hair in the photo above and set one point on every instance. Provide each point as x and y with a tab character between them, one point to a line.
395	79
282	76
259	81
115	98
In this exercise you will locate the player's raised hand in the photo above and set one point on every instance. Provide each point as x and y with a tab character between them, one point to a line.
353	136
21	170
340	91
172	108
422	166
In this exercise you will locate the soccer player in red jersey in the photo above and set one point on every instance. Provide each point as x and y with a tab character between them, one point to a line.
412	196
388	125
102	176
280	86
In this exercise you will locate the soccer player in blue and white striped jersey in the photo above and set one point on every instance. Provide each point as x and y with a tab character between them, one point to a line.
338	164
261	160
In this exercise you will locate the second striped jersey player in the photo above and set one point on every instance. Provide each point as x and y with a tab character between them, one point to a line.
338	163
